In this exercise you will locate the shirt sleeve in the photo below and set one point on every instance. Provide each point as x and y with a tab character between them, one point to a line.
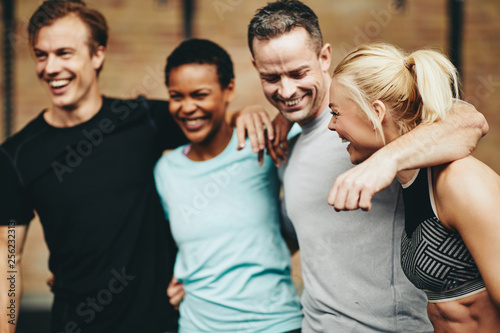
171	136
160	187
15	206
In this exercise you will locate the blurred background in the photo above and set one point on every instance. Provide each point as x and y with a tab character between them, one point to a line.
143	33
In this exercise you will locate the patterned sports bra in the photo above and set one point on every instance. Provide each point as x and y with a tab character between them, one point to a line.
434	258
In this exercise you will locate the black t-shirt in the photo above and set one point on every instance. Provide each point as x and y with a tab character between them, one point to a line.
92	186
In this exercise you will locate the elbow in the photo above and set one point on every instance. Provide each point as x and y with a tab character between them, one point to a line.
478	128
482	124
484	128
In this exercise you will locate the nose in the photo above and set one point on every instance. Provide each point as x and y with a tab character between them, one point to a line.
52	65
331	124
287	88
188	105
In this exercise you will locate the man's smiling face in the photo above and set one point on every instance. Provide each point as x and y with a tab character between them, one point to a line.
294	77
64	64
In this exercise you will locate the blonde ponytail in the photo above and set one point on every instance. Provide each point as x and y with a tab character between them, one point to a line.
437	83
418	88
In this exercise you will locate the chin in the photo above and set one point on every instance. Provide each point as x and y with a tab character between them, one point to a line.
196	137
295	116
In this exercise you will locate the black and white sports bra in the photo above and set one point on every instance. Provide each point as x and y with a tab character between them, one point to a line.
434	258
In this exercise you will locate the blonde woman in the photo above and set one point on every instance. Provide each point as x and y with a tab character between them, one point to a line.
451	243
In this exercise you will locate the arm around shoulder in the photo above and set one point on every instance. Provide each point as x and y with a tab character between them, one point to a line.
443	141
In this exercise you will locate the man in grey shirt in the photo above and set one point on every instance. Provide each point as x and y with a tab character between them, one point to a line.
353	280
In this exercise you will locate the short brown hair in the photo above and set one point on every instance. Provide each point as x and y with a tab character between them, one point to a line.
279	18
52	10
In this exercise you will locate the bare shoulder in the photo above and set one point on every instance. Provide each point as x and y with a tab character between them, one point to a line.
465	186
465	172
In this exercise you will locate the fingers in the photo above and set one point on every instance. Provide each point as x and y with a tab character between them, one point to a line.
241	134
279	155
348	195
257	136
266	121
332	195
365	201
254	125
284	147
273	154
339	196
175	292
176	299
262	134
50	282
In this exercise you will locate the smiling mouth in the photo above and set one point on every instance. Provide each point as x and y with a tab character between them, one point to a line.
344	140
56	84
292	102
194	123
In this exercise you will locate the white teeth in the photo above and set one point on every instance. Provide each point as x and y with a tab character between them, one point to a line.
193	122
293	102
58	83
344	140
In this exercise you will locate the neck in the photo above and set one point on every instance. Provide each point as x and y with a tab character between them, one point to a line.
74	115
212	147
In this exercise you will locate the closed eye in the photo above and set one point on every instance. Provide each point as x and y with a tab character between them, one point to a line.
270	78
175	97
333	113
40	56
298	75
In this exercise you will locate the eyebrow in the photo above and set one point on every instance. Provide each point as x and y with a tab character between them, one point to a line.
299	69
35	49
193	92
295	70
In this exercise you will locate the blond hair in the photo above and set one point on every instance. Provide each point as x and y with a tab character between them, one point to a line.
419	88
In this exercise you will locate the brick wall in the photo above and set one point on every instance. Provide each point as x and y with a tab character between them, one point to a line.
144	32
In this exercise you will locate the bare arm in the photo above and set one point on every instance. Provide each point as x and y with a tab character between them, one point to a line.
11	247
426	145
467	199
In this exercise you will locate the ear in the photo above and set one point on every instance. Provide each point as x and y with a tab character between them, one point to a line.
252	59
380	109
325	57
229	91
98	57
